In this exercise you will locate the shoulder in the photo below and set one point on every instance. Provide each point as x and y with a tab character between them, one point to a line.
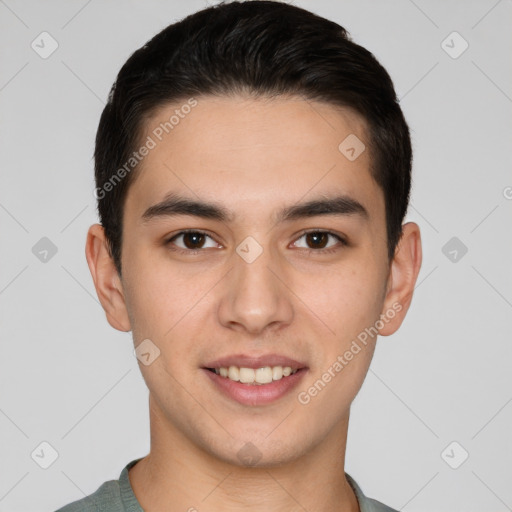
106	498
367	504
377	506
111	496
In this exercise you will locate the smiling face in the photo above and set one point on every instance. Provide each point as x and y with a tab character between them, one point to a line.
259	274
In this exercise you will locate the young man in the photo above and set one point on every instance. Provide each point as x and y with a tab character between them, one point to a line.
253	173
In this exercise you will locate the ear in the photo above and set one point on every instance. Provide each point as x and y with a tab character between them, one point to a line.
106	279
403	274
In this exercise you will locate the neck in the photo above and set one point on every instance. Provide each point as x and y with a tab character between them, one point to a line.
178	475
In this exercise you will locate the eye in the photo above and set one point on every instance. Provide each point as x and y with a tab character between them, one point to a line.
191	240
319	240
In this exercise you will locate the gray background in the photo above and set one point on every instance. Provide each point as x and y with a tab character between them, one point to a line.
68	378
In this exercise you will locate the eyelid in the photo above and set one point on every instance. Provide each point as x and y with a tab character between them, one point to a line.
337	235
341	239
185	231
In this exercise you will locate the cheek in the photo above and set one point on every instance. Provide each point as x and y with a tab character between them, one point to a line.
350	305
154	297
165	303
347	299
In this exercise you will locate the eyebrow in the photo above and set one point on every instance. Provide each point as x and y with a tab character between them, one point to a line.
174	204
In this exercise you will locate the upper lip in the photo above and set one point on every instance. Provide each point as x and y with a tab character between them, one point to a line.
255	362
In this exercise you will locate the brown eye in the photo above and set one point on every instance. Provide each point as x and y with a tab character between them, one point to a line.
190	241
317	241
193	240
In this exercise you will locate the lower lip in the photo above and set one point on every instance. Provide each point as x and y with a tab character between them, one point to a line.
257	394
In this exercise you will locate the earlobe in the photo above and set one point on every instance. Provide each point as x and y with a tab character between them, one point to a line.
106	279
403	274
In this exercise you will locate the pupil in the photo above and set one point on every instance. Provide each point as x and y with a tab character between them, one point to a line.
188	236
316	236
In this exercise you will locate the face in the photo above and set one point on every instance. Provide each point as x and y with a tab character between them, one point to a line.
258	280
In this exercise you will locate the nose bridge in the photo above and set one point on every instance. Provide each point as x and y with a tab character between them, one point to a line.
255	297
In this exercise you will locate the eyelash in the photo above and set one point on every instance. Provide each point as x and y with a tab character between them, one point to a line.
340	239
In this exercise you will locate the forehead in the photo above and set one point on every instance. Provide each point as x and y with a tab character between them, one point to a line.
242	150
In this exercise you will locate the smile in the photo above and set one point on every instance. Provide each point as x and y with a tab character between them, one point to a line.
252	376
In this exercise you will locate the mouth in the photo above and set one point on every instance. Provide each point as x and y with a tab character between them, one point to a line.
255	380
255	377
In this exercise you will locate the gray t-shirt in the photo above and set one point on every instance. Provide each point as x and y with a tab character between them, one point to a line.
118	496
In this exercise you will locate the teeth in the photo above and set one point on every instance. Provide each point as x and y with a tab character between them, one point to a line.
263	375
277	372
246	375
234	373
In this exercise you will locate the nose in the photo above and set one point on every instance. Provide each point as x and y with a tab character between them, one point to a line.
255	297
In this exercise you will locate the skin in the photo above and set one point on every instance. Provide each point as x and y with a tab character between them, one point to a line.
252	156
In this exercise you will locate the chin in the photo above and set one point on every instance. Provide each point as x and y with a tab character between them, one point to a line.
259	452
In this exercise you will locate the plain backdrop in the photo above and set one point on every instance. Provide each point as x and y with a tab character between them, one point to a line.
438	391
